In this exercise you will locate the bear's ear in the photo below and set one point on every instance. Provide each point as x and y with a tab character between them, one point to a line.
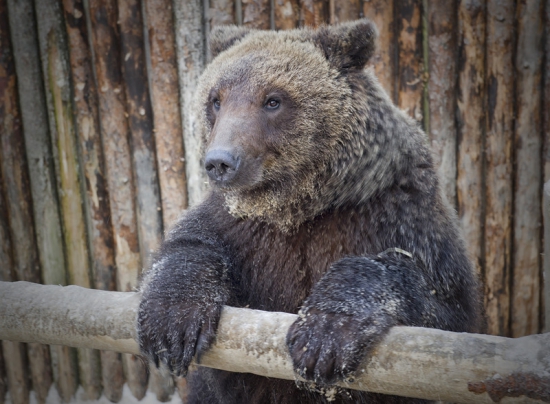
222	37
349	45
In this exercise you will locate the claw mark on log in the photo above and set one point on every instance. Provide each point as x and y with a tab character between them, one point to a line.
514	385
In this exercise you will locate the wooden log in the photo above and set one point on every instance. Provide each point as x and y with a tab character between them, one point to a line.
409	361
442	55
381	13
314	13
42	183
163	79
191	58
546	270
140	118
528	175
256	14
471	124
74	226
118	164
546	95
286	14
93	167
498	165
16	370
3	378
410	84
342	11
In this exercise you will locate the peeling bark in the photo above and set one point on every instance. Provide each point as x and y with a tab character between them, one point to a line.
528	176
163	79
442	55
410	82
498	164
471	124
381	13
116	149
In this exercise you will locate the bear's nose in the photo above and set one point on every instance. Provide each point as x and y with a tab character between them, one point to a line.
221	165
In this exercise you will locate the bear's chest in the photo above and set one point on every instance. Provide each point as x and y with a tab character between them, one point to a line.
276	270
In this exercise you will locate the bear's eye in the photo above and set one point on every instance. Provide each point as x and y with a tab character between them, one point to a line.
217	104
272	104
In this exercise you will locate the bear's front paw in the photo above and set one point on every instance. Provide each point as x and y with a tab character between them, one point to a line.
173	333
327	347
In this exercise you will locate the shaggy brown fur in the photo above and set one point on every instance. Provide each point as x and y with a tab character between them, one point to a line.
325	200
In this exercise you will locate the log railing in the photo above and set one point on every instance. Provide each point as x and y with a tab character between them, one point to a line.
416	362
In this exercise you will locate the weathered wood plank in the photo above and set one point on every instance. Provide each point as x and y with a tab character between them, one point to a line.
71	202
314	12
286	14
471	123
140	119
116	149
546	271
528	175
3	378
191	59
442	56
342	11
256	14
42	182
546	94
381	13
498	164
93	167
410	84
163	79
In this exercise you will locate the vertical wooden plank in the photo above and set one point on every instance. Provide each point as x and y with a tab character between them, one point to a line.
140	119
14	352
46	216
287	14
116	149
546	96
256	14
409	38
528	176
74	227
346	11
442	55
546	272
381	13
221	12
3	378
498	164
471	119
314	13
91	159
190	57
163	78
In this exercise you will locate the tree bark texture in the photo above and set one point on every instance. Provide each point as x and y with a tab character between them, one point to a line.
471	119
167	131
498	164
342	11
442	55
381	13
546	94
528	175
116	149
410	84
546	272
409	361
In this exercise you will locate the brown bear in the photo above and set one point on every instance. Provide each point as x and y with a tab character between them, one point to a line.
325	201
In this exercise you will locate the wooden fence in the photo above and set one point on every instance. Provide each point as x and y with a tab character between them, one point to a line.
98	154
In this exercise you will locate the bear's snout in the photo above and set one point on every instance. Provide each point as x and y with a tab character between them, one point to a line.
222	166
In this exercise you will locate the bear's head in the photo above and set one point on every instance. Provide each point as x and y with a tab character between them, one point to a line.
280	118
